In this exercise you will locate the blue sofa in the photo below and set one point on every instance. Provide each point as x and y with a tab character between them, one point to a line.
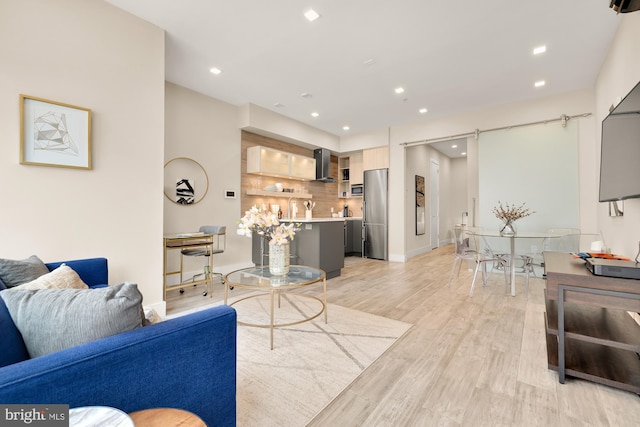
187	362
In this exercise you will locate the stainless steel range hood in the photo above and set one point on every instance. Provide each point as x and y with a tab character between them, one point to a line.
323	164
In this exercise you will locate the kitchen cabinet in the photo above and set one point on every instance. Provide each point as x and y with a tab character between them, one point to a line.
355	162
319	243
375	158
344	175
349	173
353	237
271	162
302	167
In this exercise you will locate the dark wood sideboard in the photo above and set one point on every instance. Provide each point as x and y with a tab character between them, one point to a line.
590	334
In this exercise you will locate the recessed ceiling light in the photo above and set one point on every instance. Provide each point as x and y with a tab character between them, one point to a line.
314	114
369	62
311	15
278	105
454	146
399	90
423	111
306	95
464	153
215	70
539	83
346	128
540	49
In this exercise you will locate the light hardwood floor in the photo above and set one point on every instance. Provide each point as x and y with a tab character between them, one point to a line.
477	361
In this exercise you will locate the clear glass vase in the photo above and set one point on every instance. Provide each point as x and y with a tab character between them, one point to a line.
279	259
508	228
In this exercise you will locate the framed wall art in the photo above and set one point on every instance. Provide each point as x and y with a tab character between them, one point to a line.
185	181
420	206
54	134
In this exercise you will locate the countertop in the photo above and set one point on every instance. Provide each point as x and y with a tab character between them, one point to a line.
319	219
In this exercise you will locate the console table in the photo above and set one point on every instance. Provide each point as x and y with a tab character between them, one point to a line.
185	241
590	335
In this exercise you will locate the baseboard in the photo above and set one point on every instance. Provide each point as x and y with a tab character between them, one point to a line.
418	251
397	258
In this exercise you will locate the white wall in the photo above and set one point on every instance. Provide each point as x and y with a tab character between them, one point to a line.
205	130
90	54
259	120
452	197
362	141
619	74
536	165
457	196
417	163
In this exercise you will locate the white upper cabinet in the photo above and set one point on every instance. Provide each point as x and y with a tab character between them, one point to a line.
271	162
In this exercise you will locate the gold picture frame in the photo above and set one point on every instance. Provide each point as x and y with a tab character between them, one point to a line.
54	134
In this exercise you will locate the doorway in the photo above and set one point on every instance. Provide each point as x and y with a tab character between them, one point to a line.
434	203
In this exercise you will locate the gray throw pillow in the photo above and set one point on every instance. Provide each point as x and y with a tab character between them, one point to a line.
62	277
54	319
16	272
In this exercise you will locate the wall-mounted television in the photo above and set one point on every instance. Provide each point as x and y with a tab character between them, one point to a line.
620	150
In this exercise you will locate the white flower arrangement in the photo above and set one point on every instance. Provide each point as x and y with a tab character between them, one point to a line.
266	224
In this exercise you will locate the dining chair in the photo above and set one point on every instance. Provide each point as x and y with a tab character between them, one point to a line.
531	261
568	241
463	251
485	255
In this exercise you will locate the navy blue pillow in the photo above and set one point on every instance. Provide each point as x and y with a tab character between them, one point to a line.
92	271
2	285
11	342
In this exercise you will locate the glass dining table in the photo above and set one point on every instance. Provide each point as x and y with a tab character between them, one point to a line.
512	238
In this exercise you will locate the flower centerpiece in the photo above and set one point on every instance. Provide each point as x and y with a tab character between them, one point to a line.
267	225
509	214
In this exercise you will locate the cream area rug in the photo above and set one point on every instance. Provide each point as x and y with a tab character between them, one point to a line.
310	364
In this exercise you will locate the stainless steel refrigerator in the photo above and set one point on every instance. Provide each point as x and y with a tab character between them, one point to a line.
375	214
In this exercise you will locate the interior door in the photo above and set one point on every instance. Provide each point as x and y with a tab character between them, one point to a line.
434	205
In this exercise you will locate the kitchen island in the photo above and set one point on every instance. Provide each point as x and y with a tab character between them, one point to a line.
319	243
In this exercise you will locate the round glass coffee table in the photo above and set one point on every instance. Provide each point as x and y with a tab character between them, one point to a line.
259	279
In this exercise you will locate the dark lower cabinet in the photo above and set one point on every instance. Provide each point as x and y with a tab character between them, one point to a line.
317	244
353	237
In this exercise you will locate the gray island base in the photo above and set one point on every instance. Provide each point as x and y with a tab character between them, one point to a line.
318	244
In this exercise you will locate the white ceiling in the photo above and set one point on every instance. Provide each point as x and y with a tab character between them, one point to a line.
450	56
452	148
